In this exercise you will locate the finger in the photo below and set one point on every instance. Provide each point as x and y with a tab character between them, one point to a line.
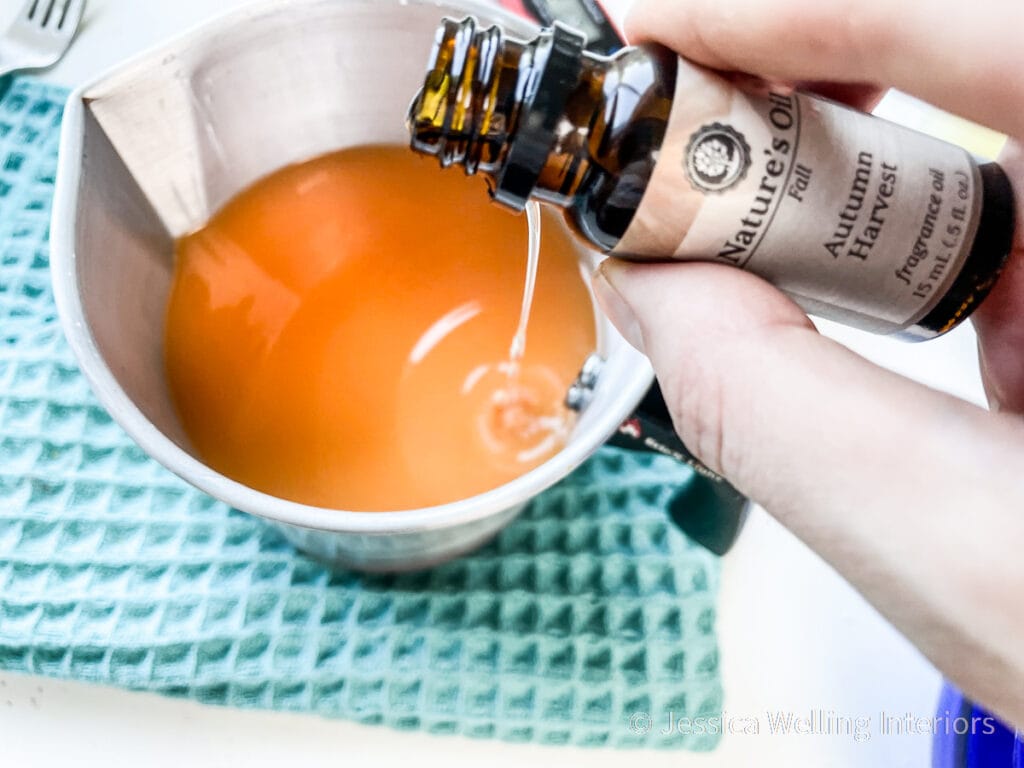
874	472
857	95
965	57
1000	319
862	96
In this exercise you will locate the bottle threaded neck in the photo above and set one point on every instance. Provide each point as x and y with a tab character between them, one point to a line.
493	104
456	116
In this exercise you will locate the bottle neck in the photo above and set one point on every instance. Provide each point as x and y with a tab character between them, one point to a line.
496	105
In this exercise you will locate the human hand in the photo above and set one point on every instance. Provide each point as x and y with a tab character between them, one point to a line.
914	496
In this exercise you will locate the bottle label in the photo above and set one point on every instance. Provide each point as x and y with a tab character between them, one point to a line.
857	219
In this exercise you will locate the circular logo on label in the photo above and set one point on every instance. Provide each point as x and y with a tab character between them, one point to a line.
717	158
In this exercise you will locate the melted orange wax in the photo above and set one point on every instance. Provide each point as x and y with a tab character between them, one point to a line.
339	333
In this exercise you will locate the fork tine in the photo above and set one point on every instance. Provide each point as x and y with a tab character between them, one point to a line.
30	9
70	16
48	13
63	14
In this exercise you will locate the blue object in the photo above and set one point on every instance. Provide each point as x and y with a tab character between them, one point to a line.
967	736
589	621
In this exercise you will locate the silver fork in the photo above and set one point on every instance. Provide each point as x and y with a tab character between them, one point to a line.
39	34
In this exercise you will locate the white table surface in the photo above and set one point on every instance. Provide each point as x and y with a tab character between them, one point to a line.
794	636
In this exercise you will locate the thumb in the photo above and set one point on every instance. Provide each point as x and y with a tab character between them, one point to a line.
909	493
792	418
715	336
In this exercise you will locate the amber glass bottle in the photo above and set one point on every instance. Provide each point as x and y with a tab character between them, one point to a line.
652	157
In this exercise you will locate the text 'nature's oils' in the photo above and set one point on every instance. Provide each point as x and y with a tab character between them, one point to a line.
339	333
651	157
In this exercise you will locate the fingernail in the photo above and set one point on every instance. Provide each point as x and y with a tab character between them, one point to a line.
617	308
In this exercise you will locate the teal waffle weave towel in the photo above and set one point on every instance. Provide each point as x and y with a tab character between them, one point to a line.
587	612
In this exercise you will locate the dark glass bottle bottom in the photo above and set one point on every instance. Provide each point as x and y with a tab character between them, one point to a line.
981	269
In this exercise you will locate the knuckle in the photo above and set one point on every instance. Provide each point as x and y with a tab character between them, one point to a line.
839	39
